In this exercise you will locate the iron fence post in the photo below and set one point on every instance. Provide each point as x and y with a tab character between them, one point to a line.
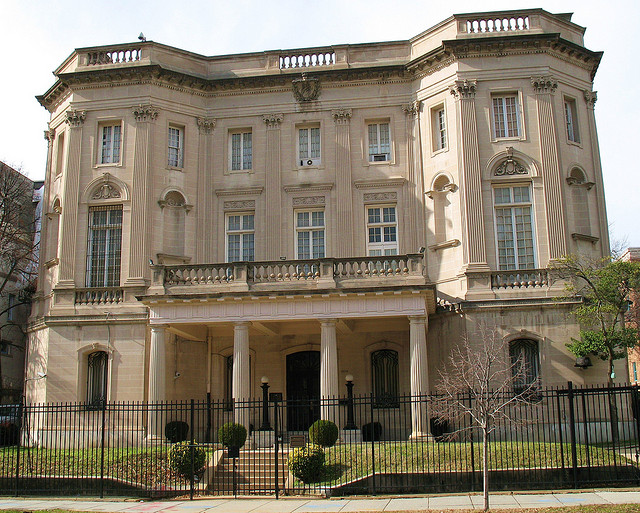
572	434
192	450
21	411
276	434
104	409
373	449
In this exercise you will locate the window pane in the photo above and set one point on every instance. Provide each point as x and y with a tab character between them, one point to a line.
389	233
385	139
315	143
106	144
247	247
318	243
375	235
247	151
389	214
304	245
247	222
236	152
233	223
511	109
374	215
303	219
317	218
373	139
502	195
498	117
233	248
104	246
303	143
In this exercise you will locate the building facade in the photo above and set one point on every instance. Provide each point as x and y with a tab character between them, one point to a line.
309	214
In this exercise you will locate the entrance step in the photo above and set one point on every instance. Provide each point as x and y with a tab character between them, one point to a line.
255	472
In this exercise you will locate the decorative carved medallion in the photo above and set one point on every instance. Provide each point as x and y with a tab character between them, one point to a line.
380	196
75	118
411	109
509	167
464	89
591	97
206	125
145	113
273	120
239	205
306	89
105	190
544	84
342	116
309	200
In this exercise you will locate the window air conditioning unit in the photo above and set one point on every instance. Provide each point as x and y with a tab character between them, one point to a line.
380	157
309	162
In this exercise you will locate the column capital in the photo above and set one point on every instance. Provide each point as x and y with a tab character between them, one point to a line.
49	135
272	120
591	97
412	109
544	85
464	89
417	319
145	113
328	322
341	116
241	324
206	125
75	118
158	327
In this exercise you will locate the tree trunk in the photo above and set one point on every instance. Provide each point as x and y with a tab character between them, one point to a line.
485	468
613	407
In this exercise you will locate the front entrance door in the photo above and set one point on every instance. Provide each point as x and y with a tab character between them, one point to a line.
303	390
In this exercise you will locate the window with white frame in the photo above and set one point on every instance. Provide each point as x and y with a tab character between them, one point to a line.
379	135
104	246
310	234
241	150
514	227
439	128
309	146
382	230
240	237
506	115
175	154
571	118
111	137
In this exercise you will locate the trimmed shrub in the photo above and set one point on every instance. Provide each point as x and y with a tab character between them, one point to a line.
307	463
232	435
180	458
323	433
176	431
372	432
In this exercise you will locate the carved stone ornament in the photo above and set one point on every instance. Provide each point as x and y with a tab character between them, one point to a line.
273	120
591	97
75	118
306	89
309	200
464	89
342	116
544	84
105	190
510	166
411	109
206	125
239	205
449	187
49	135
380	196
145	113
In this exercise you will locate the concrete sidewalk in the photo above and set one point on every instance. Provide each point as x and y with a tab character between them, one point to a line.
306	505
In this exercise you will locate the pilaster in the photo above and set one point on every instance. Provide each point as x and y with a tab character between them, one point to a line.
49	136
344	198
419	376
415	236
241	387
274	247
544	87
328	369
141	192
205	232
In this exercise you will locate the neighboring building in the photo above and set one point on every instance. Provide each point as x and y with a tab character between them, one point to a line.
20	201
633	255
312	213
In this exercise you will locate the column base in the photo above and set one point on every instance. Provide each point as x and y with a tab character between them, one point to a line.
421	435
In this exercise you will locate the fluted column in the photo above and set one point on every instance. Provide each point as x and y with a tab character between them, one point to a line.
274	247
419	376
414	198
205	231
328	369
344	188
474	245
157	380
591	97
141	191
241	387
70	200
544	87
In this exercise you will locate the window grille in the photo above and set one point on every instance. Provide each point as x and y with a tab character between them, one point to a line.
97	379
514	227
525	364
104	246
384	372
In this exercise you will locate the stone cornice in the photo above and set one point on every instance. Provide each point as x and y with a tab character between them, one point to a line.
242	191
376	184
308	188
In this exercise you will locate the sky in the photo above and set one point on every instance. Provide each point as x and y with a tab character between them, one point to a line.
36	36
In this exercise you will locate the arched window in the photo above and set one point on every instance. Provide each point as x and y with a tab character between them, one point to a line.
97	363
525	364
385	380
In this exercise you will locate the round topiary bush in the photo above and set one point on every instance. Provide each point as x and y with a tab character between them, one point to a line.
180	458
232	435
176	431
307	463
323	433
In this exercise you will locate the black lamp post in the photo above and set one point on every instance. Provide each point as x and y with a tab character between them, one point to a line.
350	422
265	404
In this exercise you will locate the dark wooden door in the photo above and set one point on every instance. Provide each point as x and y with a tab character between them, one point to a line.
303	390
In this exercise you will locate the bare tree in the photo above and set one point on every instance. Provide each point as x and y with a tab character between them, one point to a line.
481	388
18	257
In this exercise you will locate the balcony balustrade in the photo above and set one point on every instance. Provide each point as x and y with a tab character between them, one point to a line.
94	296
509	280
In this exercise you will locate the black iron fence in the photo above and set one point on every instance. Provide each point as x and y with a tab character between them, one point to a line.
560	438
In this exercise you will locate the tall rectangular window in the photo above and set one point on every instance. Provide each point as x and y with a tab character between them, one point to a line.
60	154
310	234
514	227
241	151
240	238
309	146
439	128
379	135
382	231
104	246
11	306
506	116
111	136
571	117
175	146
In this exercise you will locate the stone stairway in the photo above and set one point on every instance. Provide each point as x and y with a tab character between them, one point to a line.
255	473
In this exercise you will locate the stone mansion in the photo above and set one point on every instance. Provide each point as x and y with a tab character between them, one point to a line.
303	215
